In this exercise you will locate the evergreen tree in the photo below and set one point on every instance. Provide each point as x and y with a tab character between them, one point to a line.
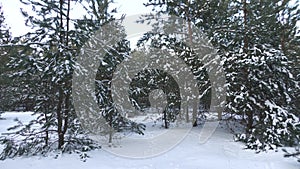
5	38
11	97
249	37
115	118
260	89
290	44
151	79
48	58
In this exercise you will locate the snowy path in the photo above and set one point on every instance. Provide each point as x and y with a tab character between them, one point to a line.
219	152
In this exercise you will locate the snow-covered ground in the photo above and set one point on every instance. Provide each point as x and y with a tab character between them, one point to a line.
220	152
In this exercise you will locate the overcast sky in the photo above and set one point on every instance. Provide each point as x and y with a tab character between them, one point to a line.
16	21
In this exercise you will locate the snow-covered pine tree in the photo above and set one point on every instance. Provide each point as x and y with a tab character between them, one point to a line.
149	80
290	45
259	75
48	56
115	118
5	36
249	37
5	81
193	13
11	97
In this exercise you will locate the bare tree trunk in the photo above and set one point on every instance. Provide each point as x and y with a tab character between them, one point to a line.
59	118
62	114
68	80
47	129
190	36
195	112
188	19
165	118
66	113
110	134
187	118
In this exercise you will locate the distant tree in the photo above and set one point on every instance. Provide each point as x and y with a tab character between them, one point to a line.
5	38
5	35
11	97
115	118
152	79
160	37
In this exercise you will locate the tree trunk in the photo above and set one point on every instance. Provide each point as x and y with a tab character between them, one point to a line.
246	74
249	121
66	113
59	111
111	128
68	80
59	118
195	112
187	118
165	119
46	131
246	45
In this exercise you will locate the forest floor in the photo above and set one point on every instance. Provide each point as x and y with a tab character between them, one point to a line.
219	152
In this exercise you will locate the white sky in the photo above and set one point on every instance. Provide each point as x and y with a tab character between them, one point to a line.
15	20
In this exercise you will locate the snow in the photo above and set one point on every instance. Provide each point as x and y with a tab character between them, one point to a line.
220	151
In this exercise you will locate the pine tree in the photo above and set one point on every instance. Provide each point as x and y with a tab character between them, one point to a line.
290	44
5	38
149	80
188	11
48	56
115	118
259	77
12	98
261	92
